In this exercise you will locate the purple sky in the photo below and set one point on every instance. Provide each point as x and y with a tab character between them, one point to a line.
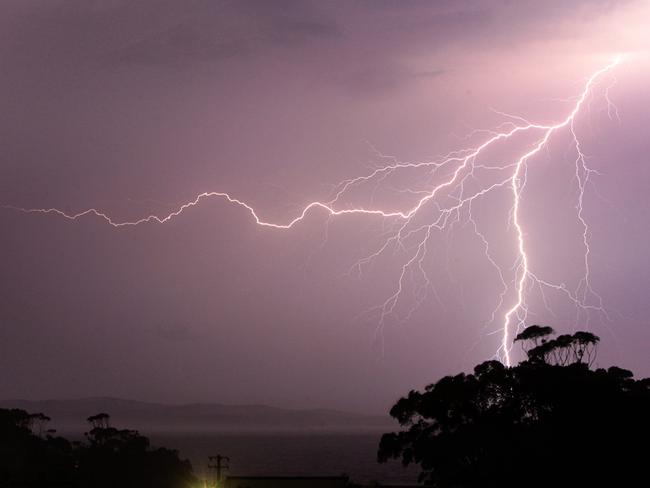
134	108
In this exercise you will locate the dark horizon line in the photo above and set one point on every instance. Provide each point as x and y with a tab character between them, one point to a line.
9	401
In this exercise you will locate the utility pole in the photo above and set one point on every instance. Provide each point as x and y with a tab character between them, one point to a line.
218	464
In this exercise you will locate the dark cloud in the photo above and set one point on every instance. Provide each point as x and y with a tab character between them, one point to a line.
223	33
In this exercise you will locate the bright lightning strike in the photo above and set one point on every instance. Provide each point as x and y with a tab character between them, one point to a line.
412	231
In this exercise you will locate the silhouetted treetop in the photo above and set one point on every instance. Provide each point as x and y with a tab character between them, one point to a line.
110	458
566	349
549	421
99	421
534	333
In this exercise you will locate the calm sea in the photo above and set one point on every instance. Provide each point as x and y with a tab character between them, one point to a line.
291	454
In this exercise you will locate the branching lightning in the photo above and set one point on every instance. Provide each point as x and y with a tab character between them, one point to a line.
437	206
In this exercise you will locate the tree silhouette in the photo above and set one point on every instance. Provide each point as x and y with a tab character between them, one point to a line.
549	421
37	423
109	458
121	457
99	421
534	334
566	349
28	459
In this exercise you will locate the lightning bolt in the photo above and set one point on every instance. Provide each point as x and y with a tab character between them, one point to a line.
443	189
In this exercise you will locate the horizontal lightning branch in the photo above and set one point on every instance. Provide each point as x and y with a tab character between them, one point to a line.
413	227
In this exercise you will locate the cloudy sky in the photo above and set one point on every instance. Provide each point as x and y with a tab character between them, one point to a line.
134	108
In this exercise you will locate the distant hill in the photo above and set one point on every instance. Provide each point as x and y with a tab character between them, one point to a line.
70	416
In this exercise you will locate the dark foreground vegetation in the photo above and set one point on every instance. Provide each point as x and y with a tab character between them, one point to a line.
31	456
549	421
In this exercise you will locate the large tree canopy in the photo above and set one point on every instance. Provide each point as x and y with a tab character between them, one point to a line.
549	421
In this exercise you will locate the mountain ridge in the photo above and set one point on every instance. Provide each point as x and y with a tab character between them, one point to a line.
70	415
